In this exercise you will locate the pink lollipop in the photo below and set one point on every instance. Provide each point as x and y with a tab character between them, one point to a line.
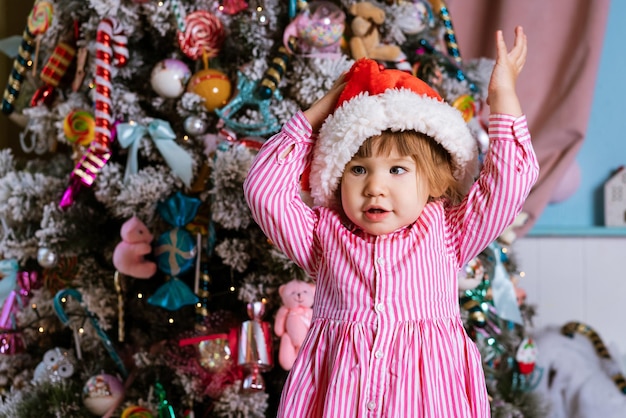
204	34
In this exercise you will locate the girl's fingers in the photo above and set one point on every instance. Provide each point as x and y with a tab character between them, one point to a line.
500	44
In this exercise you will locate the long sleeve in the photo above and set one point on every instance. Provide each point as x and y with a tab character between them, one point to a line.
506	178
272	190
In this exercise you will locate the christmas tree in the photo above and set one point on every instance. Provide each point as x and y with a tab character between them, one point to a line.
134	282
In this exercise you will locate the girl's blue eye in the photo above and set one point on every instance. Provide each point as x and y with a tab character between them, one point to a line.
357	169
397	170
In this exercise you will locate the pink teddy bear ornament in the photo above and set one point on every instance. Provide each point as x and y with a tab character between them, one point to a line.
128	256
293	319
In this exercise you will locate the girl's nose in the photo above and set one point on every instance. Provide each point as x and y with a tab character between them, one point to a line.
375	186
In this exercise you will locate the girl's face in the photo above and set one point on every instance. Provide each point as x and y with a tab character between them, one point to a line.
381	194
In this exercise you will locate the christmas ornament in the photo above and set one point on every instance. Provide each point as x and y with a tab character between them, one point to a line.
231	7
477	315
79	127
46	257
165	410
10	343
16	287
111	50
293	319
39	20
101	393
57	365
175	252
135	411
450	38
53	72
202	35
169	78
247	96
21	64
40	17
275	71
195	125
254	351
465	104
318	29
526	356
85	172
471	275
129	254
430	65
213	86
59	307
214	351
8	278
504	297
164	138
259	95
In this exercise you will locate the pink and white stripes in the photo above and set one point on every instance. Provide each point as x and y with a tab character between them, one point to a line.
386	339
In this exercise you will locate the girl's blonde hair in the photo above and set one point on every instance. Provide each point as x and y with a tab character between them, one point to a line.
432	159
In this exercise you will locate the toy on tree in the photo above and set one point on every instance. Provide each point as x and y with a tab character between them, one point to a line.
293	319
365	41
129	255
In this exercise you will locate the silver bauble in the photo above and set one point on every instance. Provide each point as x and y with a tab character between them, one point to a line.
46	257
195	125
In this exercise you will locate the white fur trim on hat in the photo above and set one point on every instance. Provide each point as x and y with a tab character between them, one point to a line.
365	116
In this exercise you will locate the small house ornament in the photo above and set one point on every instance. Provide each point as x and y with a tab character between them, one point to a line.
615	199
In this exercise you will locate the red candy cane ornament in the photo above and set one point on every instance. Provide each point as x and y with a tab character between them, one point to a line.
111	50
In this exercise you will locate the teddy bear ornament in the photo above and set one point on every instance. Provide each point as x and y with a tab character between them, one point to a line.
293	319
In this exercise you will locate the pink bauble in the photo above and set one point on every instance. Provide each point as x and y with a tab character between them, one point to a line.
169	78
102	392
323	24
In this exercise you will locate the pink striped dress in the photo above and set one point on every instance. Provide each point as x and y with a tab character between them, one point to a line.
386	339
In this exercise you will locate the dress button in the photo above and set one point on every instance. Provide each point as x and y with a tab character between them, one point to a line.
371	406
378	354
380	261
380	307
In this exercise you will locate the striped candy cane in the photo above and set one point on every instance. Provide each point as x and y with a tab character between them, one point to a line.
111	50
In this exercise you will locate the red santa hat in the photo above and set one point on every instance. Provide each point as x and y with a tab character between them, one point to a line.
375	100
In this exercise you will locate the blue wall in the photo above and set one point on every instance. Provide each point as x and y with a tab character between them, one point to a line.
604	148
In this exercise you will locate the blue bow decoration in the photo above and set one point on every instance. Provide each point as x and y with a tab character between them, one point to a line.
8	276
163	136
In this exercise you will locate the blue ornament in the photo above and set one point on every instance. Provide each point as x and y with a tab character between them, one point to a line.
175	251
173	295
179	210
250	93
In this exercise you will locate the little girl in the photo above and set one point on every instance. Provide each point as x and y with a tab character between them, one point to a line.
396	214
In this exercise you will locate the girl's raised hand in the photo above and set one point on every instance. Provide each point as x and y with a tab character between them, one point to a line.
319	111
502	95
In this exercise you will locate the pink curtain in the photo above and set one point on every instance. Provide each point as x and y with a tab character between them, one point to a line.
556	87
